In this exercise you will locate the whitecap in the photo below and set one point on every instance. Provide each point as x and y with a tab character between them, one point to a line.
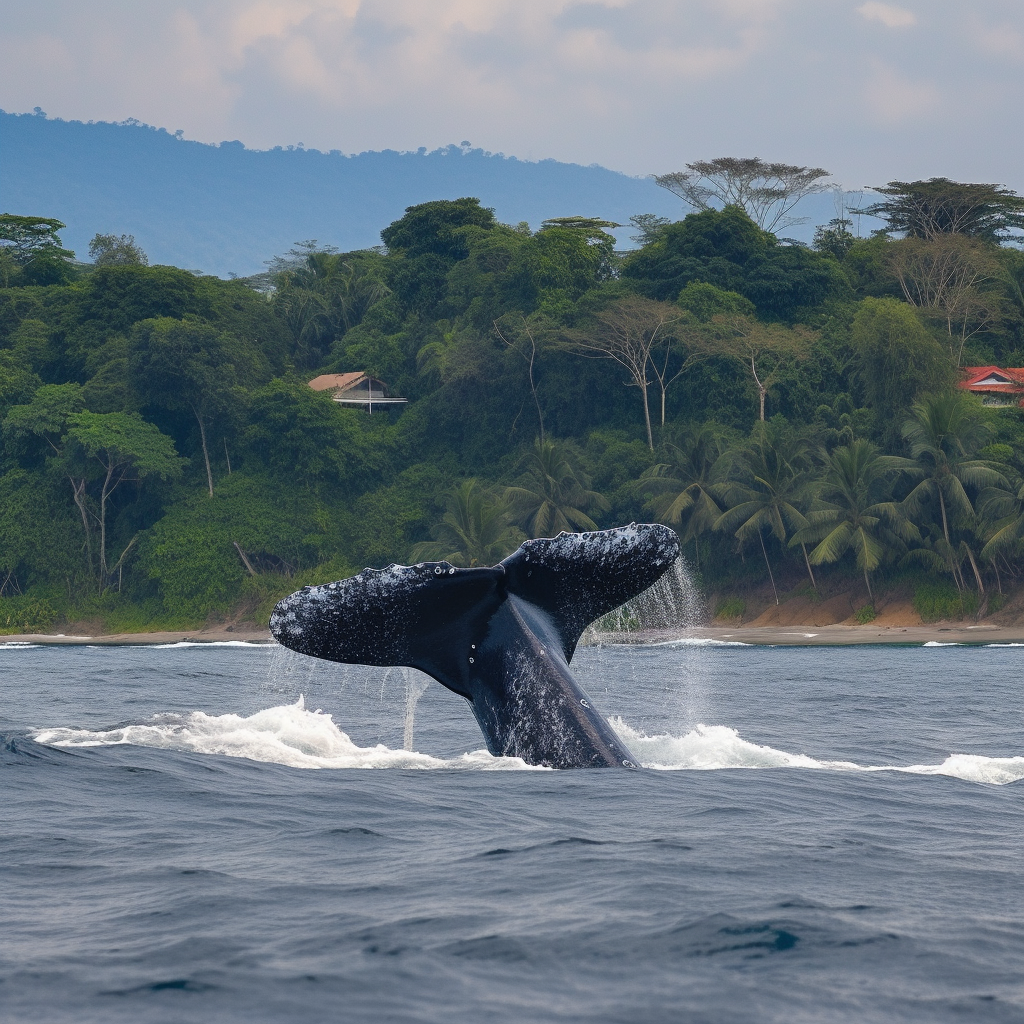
289	735
716	747
210	643
942	643
17	645
698	641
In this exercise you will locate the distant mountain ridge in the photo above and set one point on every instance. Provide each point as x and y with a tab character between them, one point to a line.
225	209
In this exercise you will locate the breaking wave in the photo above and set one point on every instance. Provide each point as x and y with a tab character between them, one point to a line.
289	735
294	736
715	747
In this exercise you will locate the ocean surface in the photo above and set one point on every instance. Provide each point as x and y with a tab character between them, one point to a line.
200	833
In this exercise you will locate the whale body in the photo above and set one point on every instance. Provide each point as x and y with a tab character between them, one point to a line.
501	637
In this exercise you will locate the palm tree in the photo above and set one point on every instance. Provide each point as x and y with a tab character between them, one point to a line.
474	531
945	431
1001	522
848	515
553	495
767	492
687	485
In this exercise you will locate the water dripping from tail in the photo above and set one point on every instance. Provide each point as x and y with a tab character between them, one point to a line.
667	609
415	685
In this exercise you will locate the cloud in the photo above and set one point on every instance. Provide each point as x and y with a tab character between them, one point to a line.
638	85
896	99
889	16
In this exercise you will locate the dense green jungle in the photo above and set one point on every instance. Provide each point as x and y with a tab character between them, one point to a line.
792	411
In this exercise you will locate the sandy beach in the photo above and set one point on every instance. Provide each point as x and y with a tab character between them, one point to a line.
789	636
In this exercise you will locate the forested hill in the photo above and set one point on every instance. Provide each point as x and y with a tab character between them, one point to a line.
224	209
793	412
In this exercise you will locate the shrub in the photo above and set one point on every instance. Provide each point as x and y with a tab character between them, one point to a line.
865	615
26	615
731	608
934	601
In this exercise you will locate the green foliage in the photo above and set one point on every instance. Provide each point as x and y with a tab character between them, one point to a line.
937	601
897	361
26	615
116	251
865	614
474	530
938	206
731	608
190	553
552	495
152	418
31	251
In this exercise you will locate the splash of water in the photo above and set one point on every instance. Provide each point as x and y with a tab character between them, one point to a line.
294	736
416	684
672	605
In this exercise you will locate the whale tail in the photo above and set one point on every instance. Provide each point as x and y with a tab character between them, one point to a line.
427	616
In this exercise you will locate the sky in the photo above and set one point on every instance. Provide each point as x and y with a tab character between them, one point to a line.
869	91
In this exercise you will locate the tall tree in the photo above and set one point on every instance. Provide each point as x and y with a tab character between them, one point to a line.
117	251
32	246
633	332
945	432
766	190
938	206
46	416
766	350
896	360
766	492
945	277
852	511
687	485
122	444
515	331
474	531
189	365
553	495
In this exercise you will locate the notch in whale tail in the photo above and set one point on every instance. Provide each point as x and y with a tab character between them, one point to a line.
426	616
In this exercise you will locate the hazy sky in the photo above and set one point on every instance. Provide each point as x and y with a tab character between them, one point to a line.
869	90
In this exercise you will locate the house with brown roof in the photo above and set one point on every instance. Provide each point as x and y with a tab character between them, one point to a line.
997	386
357	389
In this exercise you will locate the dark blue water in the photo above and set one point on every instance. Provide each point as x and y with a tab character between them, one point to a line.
171	854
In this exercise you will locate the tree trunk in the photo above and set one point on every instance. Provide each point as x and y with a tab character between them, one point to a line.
977	574
942	506
103	525
227	456
807	562
647	416
78	490
206	454
871	597
764	551
533	391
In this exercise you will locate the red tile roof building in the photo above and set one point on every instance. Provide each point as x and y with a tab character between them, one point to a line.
997	386
356	388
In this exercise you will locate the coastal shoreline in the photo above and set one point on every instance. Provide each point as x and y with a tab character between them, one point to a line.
762	636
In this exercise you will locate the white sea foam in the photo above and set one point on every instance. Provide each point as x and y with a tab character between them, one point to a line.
941	643
715	747
17	645
696	641
210	643
294	736
289	735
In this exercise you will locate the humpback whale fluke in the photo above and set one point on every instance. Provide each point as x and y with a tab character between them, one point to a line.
502	637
